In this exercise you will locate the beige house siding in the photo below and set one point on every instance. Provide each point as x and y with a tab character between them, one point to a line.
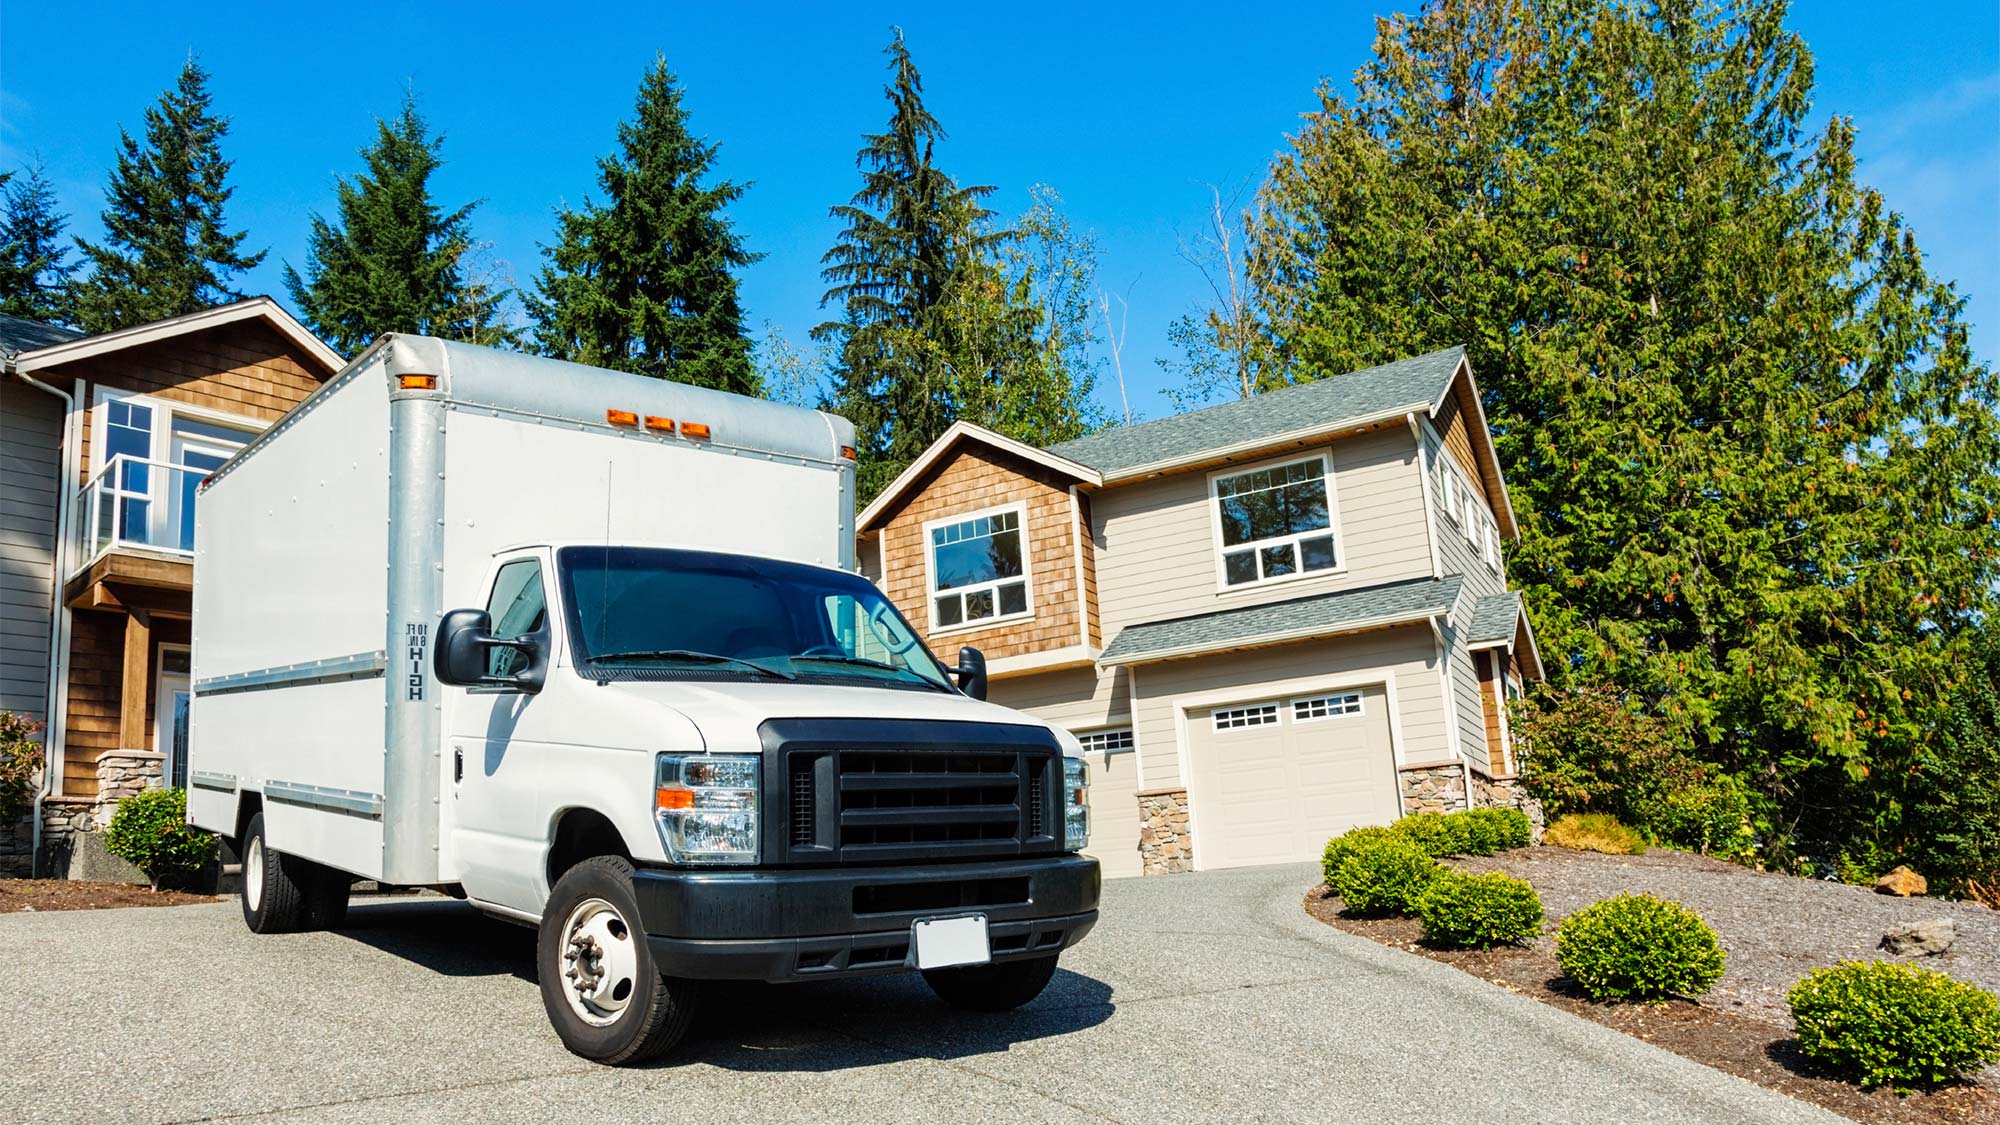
1466	709
31	422
1155	540
1456	554
1077	699
1406	658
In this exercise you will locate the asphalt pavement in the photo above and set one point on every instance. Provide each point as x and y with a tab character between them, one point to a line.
1205	997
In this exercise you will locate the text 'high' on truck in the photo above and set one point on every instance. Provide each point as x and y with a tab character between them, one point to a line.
588	649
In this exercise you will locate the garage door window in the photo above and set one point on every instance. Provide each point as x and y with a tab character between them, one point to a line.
978	568
1106	741
1237	718
1326	706
1275	522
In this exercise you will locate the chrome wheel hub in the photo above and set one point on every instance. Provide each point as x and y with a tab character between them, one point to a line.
600	962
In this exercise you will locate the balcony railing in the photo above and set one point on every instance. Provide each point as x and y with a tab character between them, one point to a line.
136	503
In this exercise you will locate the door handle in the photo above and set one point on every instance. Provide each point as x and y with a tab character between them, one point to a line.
457	764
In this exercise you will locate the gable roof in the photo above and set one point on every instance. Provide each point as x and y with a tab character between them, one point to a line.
1372	607
949	440
1501	621
1375	393
250	308
19	334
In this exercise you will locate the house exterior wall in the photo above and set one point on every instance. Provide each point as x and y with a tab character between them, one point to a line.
1156	541
974	479
1076	699
1465	557
31	423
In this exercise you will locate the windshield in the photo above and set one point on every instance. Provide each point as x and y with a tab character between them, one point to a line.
701	615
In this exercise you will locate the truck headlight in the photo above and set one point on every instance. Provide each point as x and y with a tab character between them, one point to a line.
706	807
1076	804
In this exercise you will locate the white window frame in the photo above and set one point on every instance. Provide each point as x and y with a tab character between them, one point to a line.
163	717
1331	699
1250	714
1027	578
1214	503
1100	741
1491	544
1448	487
164	412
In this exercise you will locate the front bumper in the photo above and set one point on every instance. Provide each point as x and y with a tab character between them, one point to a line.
786	925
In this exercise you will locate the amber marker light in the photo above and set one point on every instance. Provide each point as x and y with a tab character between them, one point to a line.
696	430
657	423
847	451
621	418
674	798
417	382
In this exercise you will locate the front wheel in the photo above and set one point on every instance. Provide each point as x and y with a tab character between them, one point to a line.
1000	987
604	997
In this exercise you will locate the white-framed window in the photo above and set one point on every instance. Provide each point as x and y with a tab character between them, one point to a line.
1326	706
1275	522
1492	542
1116	740
1448	491
167	448
977	568
1255	715
172	692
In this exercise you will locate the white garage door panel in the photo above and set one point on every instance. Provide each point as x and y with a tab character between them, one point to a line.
1276	794
1114	813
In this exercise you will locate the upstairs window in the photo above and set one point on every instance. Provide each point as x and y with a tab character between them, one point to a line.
1275	522
978	568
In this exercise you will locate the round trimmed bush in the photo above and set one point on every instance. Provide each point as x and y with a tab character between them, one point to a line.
1439	834
1510	828
1464	911
1638	947
1344	845
150	831
1383	876
1885	1024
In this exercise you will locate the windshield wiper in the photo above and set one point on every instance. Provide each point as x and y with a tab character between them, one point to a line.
867	663
692	654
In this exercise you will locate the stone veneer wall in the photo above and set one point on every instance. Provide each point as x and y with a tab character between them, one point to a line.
120	774
124	773
1165	847
1433	788
1509	793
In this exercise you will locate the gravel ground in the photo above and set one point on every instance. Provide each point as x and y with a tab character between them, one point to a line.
1775	928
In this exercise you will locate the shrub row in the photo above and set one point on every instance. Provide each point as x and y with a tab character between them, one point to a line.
1467	832
1388	871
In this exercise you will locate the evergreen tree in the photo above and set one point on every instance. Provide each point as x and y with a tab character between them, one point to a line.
645	282
394	261
34	257
167	250
936	324
1756	463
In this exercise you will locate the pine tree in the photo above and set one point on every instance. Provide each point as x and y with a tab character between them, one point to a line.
394	261
646	281
167	249
935	326
35	270
1756	462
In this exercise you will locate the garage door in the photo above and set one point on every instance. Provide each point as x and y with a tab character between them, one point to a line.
1114	802
1274	779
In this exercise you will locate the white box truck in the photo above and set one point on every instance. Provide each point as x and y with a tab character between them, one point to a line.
588	650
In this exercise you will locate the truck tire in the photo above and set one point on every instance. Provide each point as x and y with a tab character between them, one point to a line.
603	995
273	890
1000	987
326	892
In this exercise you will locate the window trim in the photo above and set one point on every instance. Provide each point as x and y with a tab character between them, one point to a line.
932	593
1356	694
1214	503
1274	706
1131	746
163	408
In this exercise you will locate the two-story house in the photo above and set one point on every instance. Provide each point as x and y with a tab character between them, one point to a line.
103	440
1267	621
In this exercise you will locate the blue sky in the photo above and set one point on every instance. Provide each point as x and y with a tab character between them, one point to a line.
1128	110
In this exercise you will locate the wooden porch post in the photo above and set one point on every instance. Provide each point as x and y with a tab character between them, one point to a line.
137	678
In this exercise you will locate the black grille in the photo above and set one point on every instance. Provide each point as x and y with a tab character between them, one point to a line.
881	792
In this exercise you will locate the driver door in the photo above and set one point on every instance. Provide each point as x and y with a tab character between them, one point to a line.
493	779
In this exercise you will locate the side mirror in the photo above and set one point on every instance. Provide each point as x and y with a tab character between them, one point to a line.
460	655
971	672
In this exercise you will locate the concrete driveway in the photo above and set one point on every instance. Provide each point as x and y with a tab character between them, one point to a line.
1199	997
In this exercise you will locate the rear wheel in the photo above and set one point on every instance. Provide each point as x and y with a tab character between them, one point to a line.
273	890
999	987
603	995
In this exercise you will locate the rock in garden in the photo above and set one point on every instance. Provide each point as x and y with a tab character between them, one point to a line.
1923	939
1902	881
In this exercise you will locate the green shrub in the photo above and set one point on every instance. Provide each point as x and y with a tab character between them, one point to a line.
1886	1024
1343	845
1465	911
150	831
1439	834
1510	828
1383	876
20	764
1709	817
1639	947
1594	832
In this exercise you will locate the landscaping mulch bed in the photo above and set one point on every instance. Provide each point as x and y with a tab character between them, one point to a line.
23	895
1774	928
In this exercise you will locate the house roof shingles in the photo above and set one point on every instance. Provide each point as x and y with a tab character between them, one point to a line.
1493	618
1416	382
19	334
1262	624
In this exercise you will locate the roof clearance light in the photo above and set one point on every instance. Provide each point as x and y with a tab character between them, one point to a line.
847	451
417	382
620	418
695	430
655	422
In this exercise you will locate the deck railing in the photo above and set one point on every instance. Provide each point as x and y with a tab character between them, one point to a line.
135	502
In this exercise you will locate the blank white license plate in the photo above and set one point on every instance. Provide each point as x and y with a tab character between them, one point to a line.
939	943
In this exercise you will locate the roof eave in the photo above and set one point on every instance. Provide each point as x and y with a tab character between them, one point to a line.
1287	636
1253	445
936	451
1482	441
263	308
